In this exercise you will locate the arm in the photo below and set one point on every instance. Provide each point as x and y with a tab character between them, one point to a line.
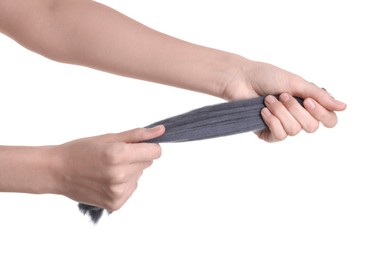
26	169
87	33
90	34
101	170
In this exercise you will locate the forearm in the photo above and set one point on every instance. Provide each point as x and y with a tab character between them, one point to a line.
93	35
26	169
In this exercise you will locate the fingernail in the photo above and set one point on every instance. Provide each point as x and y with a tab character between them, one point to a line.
284	97
266	112
310	104
270	99
157	127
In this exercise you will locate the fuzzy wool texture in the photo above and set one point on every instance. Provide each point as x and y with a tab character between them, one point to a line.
213	121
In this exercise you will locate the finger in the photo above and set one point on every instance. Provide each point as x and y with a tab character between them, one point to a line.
306	89
122	153
129	187
128	192
119	194
304	118
276	131
125	173
266	135
142	152
140	134
289	123
326	117
138	167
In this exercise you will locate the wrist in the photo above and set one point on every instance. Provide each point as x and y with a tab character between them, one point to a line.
45	177
54	169
47	181
233	84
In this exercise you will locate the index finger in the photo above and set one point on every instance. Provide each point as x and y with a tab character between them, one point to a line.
142	152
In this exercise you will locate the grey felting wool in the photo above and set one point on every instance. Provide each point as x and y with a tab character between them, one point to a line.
95	213
218	120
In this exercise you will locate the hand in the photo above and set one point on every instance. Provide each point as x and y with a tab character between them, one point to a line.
283	115
104	170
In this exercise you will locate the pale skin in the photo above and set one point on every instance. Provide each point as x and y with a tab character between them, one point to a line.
104	170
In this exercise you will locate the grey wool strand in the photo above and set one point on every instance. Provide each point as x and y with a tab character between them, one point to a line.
212	121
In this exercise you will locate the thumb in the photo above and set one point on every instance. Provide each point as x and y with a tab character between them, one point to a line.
310	90
140	134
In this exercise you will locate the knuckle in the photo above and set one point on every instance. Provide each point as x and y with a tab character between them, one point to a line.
116	176
297	83
323	114
312	127
139	132
136	130
148	164
114	192
332	122
134	187
277	131
132	190
273	122
152	151
157	151
119	198
293	130
280	136
328	119
113	205
113	154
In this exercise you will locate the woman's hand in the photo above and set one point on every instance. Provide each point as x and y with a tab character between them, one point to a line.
283	114
104	170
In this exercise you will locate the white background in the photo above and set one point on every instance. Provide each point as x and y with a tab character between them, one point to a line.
314	196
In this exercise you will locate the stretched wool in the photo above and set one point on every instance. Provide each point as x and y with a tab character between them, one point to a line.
213	121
